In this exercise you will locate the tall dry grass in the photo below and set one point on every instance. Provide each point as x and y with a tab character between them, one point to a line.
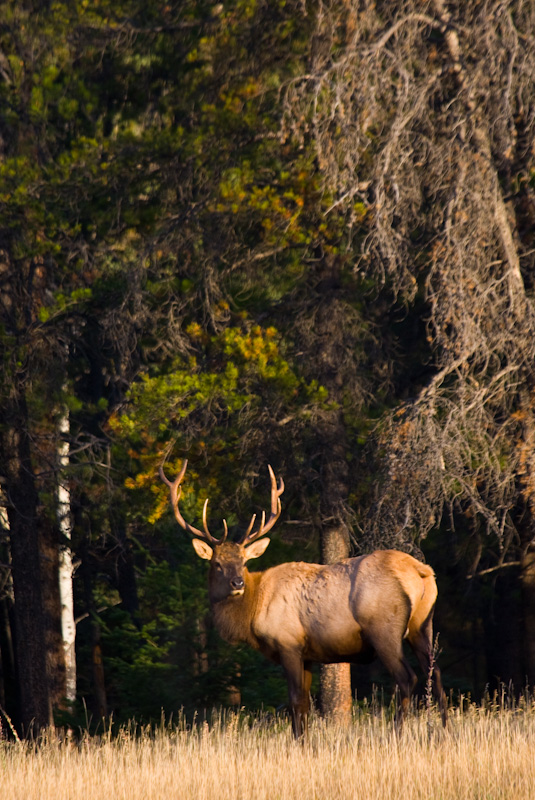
485	753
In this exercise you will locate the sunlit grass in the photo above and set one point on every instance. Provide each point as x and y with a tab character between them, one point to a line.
486	752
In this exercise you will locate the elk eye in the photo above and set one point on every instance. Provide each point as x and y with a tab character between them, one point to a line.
218	566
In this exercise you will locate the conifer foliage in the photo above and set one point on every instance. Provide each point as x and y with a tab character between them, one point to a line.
246	233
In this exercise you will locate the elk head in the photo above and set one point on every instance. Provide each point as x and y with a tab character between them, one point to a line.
227	559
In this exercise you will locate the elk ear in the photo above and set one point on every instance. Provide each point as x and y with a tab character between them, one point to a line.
256	549
202	549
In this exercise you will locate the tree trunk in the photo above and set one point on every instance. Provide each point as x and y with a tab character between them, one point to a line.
65	566
55	657
22	502
8	687
503	632
527	582
125	570
335	679
524	518
99	685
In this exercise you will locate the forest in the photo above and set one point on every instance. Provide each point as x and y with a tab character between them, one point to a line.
247	233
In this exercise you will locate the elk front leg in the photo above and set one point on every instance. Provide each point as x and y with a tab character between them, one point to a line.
299	678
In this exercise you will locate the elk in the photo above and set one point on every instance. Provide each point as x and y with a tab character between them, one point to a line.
299	613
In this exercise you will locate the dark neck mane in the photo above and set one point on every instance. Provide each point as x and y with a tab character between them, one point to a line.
233	616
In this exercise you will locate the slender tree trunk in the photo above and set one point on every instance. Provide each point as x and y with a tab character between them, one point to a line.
125	570
99	685
65	566
234	694
22	502
55	657
9	700
335	679
7	655
8	687
503	633
525	525
527	582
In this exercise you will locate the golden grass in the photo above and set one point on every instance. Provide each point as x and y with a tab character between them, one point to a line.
484	754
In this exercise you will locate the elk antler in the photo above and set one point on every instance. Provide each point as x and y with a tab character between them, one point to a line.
175	491
249	537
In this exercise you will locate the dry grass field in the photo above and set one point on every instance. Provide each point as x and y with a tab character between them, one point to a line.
487	753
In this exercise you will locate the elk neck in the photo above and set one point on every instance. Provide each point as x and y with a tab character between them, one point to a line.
233	616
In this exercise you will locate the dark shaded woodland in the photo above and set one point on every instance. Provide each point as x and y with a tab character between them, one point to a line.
246	233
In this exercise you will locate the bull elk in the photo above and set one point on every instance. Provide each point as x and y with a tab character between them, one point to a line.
299	613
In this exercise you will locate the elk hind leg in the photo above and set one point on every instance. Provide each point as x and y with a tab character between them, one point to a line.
389	649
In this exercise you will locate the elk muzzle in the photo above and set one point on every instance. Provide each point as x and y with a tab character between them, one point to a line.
237	586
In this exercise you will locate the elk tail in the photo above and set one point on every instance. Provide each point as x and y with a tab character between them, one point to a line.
424	570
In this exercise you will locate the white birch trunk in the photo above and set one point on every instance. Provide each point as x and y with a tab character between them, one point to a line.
4	521
68	625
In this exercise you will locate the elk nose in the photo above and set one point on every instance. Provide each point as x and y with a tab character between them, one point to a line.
237	583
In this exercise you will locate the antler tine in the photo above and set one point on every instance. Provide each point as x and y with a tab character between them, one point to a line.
205	526
178	480
276	508
204	522
175	490
275	492
250	528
